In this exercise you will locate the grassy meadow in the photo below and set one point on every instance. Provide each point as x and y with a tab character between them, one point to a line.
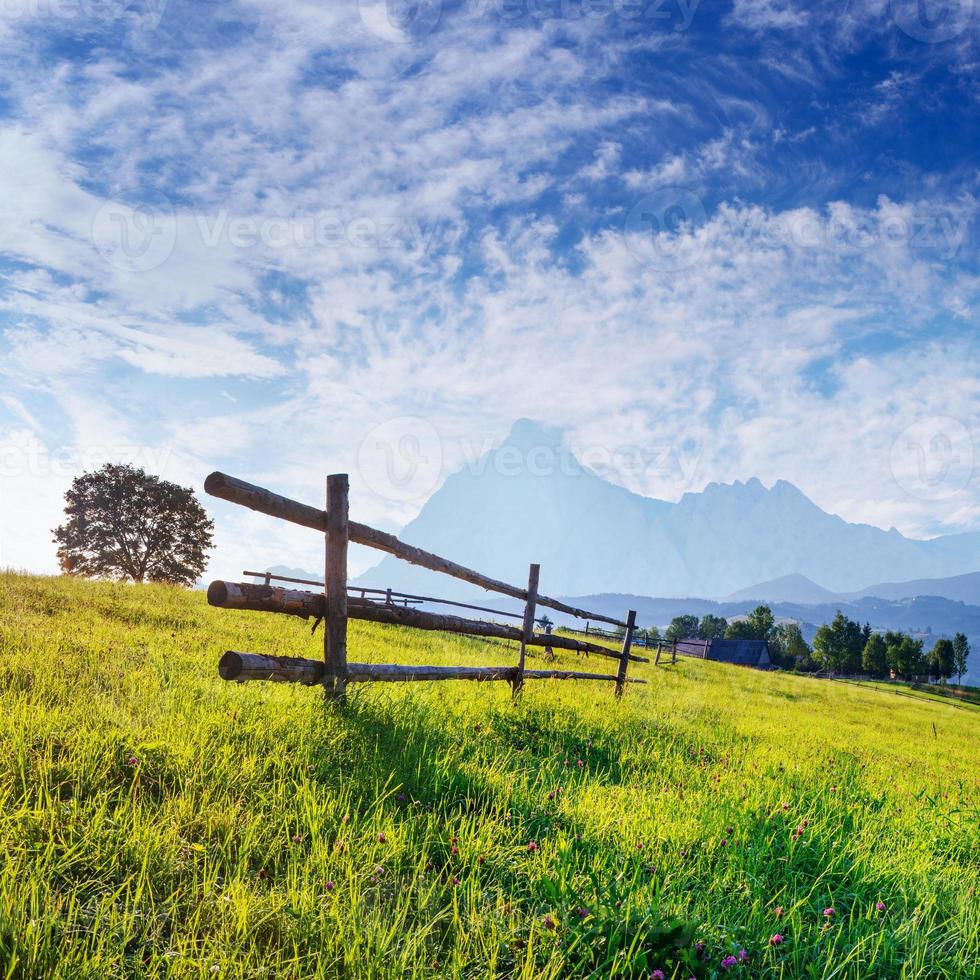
156	821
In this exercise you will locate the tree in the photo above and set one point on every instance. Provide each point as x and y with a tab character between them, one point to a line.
758	625
904	654
682	627
961	653
839	645
123	523
942	659
712	627
788	648
874	658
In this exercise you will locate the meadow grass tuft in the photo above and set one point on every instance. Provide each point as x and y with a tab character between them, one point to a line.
156	821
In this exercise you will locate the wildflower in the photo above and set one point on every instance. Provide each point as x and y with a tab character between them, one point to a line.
581	764
743	956
724	842
880	906
454	849
829	913
728	962
658	975
551	795
776	940
131	761
583	912
263	874
382	839
329	886
779	912
549	922
532	846
455	880
297	838
401	797
699	947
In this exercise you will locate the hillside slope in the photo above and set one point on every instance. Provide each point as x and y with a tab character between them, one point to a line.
157	821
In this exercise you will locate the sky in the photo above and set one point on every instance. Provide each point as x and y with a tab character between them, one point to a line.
707	240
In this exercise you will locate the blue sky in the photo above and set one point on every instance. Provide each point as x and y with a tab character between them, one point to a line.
285	239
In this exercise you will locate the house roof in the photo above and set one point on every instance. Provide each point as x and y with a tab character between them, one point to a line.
747	653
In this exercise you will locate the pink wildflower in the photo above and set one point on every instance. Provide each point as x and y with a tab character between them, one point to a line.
532	846
382	839
728	962
829	912
880	906
776	940
329	886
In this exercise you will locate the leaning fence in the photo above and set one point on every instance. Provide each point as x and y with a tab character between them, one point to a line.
335	607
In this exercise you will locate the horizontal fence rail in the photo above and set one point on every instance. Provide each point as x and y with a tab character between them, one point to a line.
334	606
311	605
266	502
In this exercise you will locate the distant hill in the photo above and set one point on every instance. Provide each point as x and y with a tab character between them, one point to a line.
798	588
530	500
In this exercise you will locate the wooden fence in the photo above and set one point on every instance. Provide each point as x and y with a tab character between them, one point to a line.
335	607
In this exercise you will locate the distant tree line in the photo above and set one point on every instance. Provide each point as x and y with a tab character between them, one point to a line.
842	646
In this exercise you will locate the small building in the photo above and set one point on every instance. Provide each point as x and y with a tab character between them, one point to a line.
744	653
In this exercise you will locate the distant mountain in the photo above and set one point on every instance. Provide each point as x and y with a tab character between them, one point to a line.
798	588
788	588
530	500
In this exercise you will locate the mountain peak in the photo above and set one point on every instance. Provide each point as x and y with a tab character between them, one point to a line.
527	434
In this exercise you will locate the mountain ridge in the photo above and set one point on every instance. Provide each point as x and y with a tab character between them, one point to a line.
590	535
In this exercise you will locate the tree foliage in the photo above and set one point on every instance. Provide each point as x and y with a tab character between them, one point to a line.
712	627
838	646
682	627
123	523
961	653
874	658
942	659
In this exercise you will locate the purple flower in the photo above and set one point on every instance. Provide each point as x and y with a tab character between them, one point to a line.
880	906
728	962
658	975
382	839
743	956
829	912
532	846
776	940
329	886
583	912
131	761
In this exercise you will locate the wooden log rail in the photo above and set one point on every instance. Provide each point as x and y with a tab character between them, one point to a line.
311	605
266	502
235	666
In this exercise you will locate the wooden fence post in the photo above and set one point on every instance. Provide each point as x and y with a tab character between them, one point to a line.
624	659
656	662
528	628
335	587
673	652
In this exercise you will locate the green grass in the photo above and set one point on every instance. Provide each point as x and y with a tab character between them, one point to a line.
156	821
